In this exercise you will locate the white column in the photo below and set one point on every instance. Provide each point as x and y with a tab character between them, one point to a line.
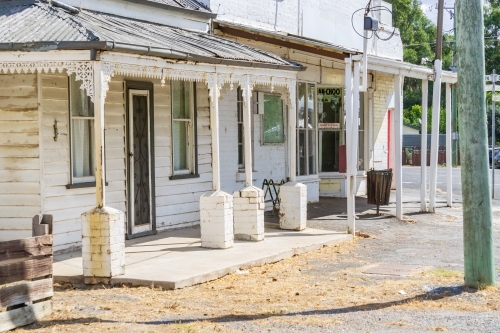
214	124
248	202
103	228
99	96
423	148
247	129
293	195
449	148
398	137
216	208
436	102
292	134
349	146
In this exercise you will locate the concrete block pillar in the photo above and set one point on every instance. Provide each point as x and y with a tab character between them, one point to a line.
249	214
216	220
103	244
293	206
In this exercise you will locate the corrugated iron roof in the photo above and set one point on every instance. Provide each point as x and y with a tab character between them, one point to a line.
188	4
42	22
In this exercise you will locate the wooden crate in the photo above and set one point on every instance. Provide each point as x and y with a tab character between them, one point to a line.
26	287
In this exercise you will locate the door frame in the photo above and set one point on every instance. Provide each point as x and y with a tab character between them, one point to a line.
144	86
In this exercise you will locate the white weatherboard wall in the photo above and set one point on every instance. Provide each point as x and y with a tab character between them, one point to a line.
178	201
19	155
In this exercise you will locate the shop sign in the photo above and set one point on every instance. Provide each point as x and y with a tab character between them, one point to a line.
329	125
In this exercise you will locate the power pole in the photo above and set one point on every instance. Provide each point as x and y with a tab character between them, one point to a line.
436	108
478	241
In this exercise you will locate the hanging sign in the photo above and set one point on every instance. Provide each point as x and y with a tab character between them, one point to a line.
329	125
495	98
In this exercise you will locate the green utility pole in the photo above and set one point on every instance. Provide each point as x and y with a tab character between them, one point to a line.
478	241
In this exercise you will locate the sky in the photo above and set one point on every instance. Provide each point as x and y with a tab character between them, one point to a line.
429	8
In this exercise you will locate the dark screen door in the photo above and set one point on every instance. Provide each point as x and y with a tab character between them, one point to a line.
140	191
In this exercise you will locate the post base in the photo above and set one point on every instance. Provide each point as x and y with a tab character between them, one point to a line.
249	214
216	220
103	244
293	206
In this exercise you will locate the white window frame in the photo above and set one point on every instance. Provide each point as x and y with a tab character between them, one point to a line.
191	133
240	127
73	179
307	130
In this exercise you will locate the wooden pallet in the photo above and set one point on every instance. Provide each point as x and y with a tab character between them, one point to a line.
26	287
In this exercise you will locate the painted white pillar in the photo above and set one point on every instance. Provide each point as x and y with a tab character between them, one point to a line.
214	125
349	146
103	228
449	149
398	144
99	97
436	102
247	129
292	134
293	195
216	208
423	148
248	203
371	144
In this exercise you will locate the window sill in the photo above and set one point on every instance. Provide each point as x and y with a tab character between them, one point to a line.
187	176
82	185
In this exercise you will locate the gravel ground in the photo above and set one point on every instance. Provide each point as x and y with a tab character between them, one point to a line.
321	291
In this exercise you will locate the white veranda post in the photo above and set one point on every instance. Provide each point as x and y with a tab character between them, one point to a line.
398	133
436	102
214	124
449	148
99	96
349	146
423	148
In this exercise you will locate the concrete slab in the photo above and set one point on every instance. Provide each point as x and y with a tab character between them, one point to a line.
175	259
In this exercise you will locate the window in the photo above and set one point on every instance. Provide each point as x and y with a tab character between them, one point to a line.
183	128
241	146
306	130
273	119
330	126
361	138
81	127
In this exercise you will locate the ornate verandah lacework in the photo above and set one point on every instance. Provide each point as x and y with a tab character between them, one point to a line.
83	70
110	69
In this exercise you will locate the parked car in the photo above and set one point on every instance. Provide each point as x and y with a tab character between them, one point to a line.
497	159
497	150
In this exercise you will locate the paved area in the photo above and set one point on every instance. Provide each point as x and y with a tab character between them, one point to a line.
175	259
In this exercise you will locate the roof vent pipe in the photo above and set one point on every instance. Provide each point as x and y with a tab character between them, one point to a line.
71	9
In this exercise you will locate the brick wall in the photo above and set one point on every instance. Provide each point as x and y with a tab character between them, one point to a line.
382	95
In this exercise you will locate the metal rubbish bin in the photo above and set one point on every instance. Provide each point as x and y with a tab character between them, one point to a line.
379	187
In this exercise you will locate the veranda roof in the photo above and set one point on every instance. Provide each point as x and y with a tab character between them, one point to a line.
40	26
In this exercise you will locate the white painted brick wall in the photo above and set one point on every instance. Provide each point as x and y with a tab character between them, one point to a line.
384	87
313	18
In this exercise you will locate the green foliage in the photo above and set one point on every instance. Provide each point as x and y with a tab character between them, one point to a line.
413	117
418	34
492	29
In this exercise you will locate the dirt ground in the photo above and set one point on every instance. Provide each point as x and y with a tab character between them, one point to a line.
321	291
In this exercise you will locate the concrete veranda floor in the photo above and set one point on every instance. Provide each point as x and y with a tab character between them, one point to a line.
175	259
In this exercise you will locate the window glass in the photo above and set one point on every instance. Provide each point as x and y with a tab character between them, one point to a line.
273	119
330	126
181	99
182	144
239	110
81	133
306	134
